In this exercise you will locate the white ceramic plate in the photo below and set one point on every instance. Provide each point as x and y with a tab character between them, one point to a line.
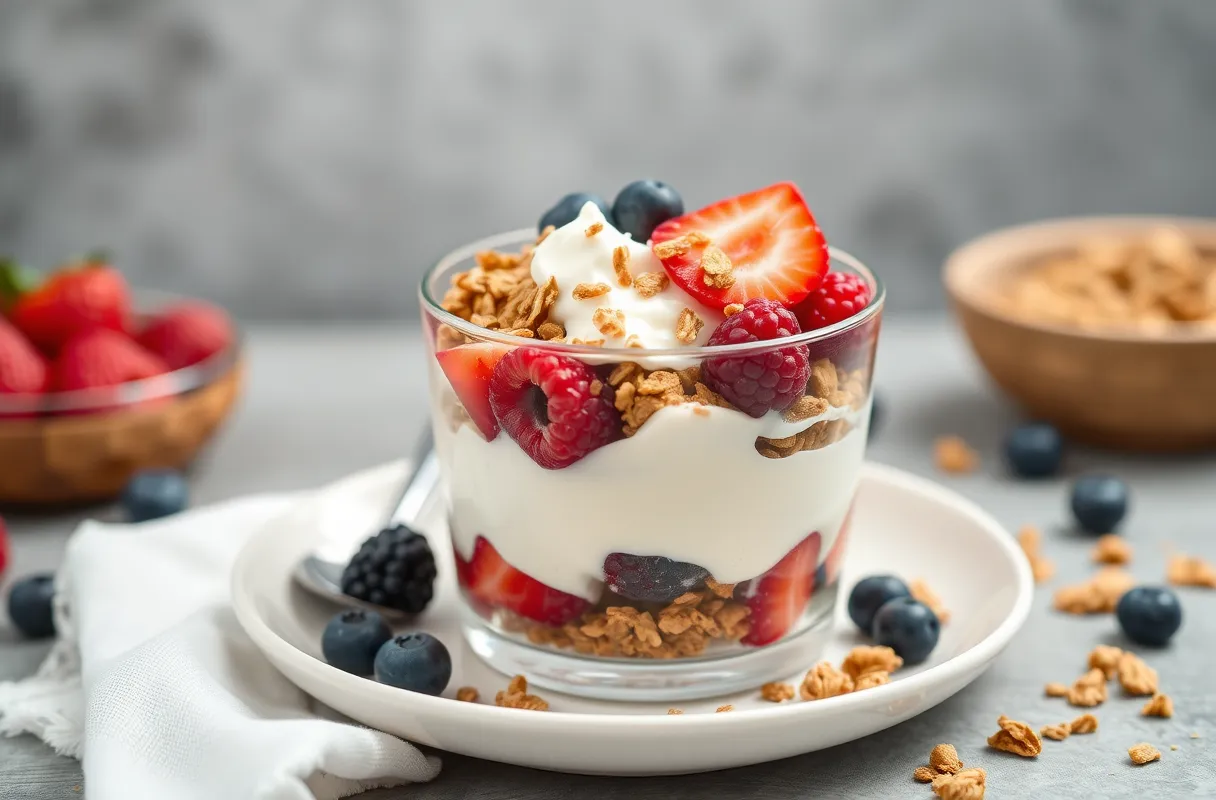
902	524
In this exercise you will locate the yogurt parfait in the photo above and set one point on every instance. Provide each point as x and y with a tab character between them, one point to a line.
651	426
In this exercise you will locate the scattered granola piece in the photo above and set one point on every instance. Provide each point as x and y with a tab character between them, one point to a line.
1029	539
1016	737
954	455
648	284
671	712
1194	734
944	758
1055	690
716	268
924	774
672	247
967	784
1173	747
620	265
1098	595
633	340
467	694
1058	732
1136	677
732	309
1111	549
1184	570
867	658
1143	753
1160	705
871	679
550	331
609	321
723	709
920	591
823	681
516	696
593	229
777	692
1089	690
1105	658
688	325
1086	723
586	291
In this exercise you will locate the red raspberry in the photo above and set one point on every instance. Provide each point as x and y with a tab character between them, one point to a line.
757	382
840	296
545	403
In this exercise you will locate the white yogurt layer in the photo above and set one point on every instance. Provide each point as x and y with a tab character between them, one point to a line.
572	257
689	485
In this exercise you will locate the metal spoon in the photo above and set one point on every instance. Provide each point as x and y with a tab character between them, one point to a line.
321	574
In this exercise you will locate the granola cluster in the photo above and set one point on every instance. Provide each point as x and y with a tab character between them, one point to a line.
863	668
516	696
1016	737
948	777
1029	539
1098	595
1150	282
1106	663
1184	570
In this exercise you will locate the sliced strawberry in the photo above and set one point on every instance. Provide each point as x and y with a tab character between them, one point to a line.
494	582
774	245
779	597
468	368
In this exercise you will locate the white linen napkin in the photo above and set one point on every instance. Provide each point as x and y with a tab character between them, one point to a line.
156	687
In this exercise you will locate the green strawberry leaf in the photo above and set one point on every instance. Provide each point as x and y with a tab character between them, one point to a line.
15	280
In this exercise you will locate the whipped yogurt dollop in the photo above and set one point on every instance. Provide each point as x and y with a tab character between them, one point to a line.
572	257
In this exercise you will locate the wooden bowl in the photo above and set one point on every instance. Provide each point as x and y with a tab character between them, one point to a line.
1123	389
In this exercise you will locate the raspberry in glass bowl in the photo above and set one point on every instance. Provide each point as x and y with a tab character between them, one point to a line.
98	383
648	461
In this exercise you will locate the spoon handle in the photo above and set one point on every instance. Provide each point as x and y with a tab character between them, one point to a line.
419	483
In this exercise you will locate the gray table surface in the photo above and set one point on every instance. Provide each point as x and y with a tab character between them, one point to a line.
323	402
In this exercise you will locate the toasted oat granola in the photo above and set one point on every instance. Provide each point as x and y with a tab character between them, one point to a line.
1055	690
1029	539
1016	737
924	774
1105	658
674	712
823	681
1143	753
1086	723
871	679
1184	570
865	658
724	709
516	696
944	758
1098	595
920	591
1112	549
467	694
1089	690
952	454
777	692
1058	732
1136	677
1160	705
967	784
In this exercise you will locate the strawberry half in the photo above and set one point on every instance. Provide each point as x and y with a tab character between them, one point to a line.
774	245
468	368
497	584
23	370
779	597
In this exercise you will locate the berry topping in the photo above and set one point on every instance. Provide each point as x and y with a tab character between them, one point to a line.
1149	615
871	594
102	358
155	493
468	369
840	296
76	299
554	407
1034	450
778	598
567	209
642	205
417	662
758	382
187	333
652	579
352	639
1099	502
907	626
394	568
762	244
495	583
23	370
30	605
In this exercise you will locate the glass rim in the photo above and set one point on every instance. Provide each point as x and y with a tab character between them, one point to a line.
432	306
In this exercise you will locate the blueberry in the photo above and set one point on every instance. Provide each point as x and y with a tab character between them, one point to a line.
417	661
154	493
870	594
908	627
1099	502
641	206
352	639
29	605
1149	615
1034	450
651	579
567	209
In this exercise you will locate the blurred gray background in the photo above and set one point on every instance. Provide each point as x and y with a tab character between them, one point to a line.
309	158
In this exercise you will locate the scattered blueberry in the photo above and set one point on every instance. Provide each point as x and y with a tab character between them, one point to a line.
652	579
1099	502
1149	615
1034	450
416	661
567	209
352	639
870	594
641	206
155	493
394	568
908	627
29	605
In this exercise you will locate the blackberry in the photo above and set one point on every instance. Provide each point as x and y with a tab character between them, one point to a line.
394	568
